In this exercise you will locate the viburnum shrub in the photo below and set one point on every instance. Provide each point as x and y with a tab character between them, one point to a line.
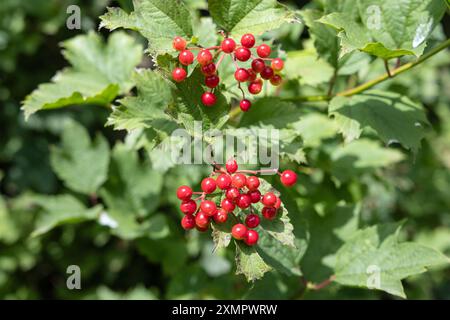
234	192
211	58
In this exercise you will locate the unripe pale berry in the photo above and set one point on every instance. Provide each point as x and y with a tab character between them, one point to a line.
263	51
248	40
252	183
221	216
204	57
277	64
202	220
251	238
212	81
228	205
238	180
223	181
209	69
269	213
258	65
243	201
255	195
208	207
242	54
269	199
231	166
239	231
184	193
252	221
188	222
188	207
267	73
255	87
186	57
228	45
179	43
209	185
245	105
209	99
276	80
288	178
179	74
241	75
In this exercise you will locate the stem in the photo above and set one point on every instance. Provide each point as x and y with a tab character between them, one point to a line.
332	83
386	66
320	285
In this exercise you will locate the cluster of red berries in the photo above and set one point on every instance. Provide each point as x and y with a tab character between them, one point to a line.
238	53
237	191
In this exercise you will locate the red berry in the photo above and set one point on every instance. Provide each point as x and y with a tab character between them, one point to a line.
202	229
277	204
209	185
208	207
186	57
238	180
179	43
242	54
255	195
258	65
212	81
267	73
221	216
179	74
269	213
209	99
188	222
231	166
209	69
248	40
288	178
276	80
251	75
244	201
188	207
228	45
239	231
263	51
202	220
252	183
255	87
232	193
269	199
204	57
241	75
228	205
251	238
252	220
245	105
277	64
184	193
223	181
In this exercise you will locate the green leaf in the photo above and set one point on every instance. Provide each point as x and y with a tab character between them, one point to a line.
393	117
249	262
374	258
252	16
308	67
9	232
81	163
147	108
157	20
308	129
98	74
61	210
359	156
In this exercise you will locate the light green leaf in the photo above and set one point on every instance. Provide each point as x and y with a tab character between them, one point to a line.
98	74
360	156
157	20
204	32
306	66
252	16
61	210
249	262
393	117
81	163
314	128
8	230
374	258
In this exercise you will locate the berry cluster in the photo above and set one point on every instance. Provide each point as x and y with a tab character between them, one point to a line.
254	76
237	190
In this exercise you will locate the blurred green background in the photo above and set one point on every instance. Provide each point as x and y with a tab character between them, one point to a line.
170	264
